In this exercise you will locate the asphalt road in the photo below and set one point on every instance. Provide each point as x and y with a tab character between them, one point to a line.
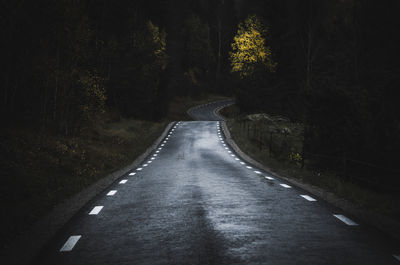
194	201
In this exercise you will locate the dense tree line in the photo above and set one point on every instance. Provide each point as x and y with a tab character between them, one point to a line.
338	72
66	62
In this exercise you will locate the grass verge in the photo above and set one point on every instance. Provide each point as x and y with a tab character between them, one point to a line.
39	170
282	159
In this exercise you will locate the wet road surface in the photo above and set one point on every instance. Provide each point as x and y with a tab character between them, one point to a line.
194	201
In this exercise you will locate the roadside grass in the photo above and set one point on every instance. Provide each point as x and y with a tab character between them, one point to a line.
39	170
281	162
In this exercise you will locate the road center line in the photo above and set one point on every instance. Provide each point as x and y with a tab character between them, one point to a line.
123	181
285	186
308	198
96	210
344	219
70	244
111	193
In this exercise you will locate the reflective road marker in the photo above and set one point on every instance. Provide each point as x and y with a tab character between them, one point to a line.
96	210
70	244
111	192
344	219
308	198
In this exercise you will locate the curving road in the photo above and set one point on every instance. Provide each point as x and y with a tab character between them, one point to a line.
194	201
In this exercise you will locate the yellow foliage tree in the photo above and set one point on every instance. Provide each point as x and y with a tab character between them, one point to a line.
249	50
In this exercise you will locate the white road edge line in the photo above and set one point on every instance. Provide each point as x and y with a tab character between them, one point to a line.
123	181
70	244
111	193
285	186
308	198
344	219
96	210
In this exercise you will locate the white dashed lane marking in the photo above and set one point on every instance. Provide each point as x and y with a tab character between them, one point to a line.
139	168
249	167
152	158
96	210
111	193
70	244
285	186
344	219
269	178
237	159
242	163
308	198
145	165
257	172
132	174
123	181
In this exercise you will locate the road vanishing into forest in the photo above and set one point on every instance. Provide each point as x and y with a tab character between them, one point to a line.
193	200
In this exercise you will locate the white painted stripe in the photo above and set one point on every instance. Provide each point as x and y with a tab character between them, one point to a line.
249	167
269	178
233	155
132	174
162	144
157	151
96	210
308	198
226	148
224	144
152	158
257	172
229	152
242	163
159	148
155	155
70	244
111	192
237	159
139	168
397	257
145	165
148	162
344	219
285	186
123	181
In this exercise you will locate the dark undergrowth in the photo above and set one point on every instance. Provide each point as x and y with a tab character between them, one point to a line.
286	162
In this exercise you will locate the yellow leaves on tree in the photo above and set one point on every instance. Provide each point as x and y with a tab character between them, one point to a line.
249	50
